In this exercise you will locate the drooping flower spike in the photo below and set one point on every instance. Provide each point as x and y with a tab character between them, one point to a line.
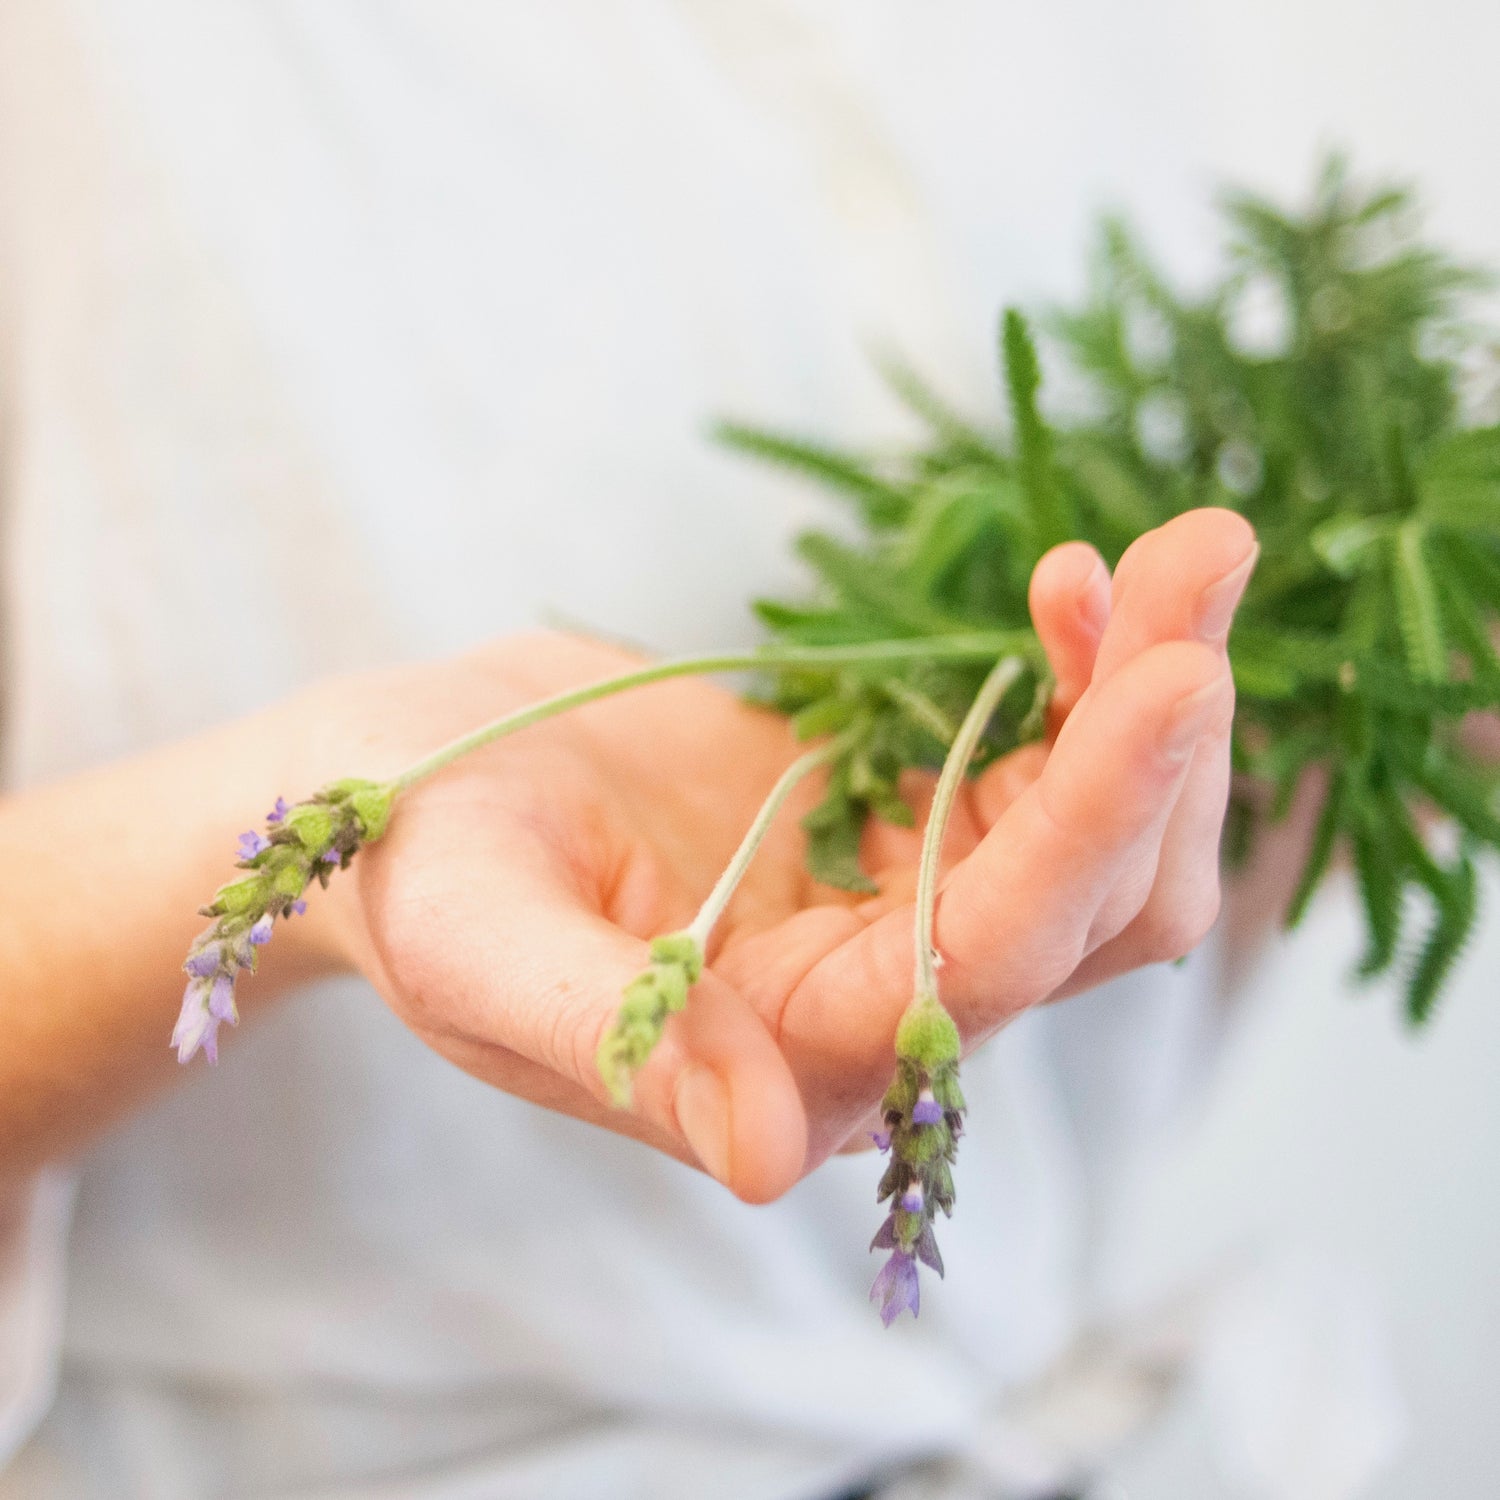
923	1117
306	842
923	1109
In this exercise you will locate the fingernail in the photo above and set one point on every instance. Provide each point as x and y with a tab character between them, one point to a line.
703	1114
1093	598
1191	717
1217	605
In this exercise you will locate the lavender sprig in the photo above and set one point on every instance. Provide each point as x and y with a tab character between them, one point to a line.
656	993
923	1108
305	842
677	959
309	840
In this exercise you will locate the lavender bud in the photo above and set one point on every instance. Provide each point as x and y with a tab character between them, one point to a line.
278	812
927	1035
926	1111
260	933
312	823
205	961
649	999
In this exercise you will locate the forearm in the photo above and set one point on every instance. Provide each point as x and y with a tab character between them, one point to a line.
101	877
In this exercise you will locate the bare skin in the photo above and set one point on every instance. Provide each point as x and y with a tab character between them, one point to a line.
513	897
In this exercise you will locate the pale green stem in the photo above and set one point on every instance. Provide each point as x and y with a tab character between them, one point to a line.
920	709
978	646
960	753
713	908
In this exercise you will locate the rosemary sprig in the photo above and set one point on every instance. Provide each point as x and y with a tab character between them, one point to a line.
1337	428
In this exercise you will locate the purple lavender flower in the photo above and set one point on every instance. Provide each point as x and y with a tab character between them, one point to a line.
331	856
278	812
195	1027
297	908
221	1000
911	1200
252	843
896	1287
205	962
260	933
206	1004
926	1111
882	1139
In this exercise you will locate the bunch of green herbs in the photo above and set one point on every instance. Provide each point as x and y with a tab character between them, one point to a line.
1317	387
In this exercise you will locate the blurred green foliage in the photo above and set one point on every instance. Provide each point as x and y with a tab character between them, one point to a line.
1318	388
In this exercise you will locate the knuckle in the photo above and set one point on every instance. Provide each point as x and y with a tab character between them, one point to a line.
1056	965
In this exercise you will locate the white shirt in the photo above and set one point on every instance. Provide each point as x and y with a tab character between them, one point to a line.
382	329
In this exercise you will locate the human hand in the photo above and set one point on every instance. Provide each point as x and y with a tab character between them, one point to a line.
514	895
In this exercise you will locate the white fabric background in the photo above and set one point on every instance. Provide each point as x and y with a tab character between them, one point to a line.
345	331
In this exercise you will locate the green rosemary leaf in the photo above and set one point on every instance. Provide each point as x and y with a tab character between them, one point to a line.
1121	501
861	581
1460	481
949	520
881	503
1457	911
1477	567
811	626
1320	854
1023	378
1417	609
1343	542
825	716
834	829
1378	870
960	441
1464	794
1472	632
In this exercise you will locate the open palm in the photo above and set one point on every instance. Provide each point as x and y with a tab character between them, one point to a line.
515	894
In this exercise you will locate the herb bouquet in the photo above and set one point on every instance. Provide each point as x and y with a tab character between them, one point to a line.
1337	427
